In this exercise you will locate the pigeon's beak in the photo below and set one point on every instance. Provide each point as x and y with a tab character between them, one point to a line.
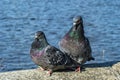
74	24
36	36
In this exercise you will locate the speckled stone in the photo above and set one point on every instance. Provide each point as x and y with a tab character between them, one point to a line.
90	73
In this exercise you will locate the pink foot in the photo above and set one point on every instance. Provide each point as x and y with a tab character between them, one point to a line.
49	72
78	69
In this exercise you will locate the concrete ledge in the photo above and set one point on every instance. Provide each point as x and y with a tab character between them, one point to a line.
108	71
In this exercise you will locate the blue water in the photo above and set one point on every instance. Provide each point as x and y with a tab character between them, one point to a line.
20	19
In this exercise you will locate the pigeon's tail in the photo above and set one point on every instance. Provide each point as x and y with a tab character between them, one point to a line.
91	58
75	64
70	63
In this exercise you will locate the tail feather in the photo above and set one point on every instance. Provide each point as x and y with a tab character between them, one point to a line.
91	58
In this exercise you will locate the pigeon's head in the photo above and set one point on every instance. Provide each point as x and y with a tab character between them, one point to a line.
77	20
77	29
39	35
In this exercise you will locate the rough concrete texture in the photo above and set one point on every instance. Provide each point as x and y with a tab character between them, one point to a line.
109	71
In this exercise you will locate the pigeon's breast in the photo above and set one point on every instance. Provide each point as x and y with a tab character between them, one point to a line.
37	56
72	46
38	53
40	59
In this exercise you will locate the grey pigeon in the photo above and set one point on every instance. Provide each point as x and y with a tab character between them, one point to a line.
46	56
75	44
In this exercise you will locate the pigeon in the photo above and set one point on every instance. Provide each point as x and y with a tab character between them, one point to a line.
75	44
48	57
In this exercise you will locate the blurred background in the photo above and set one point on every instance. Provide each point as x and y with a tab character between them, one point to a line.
20	19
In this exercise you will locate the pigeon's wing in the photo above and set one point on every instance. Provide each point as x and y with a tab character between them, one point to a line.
89	51
55	56
88	45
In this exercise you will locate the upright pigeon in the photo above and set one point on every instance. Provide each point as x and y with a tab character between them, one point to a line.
75	44
46	56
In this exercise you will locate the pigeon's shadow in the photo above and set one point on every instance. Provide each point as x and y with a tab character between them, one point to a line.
92	65
104	64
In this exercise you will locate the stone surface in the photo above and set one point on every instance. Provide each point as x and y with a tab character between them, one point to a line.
92	72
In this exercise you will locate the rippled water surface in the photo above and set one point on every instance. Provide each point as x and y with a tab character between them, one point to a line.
20	19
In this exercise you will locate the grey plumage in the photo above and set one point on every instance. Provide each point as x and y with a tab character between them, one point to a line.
75	44
47	56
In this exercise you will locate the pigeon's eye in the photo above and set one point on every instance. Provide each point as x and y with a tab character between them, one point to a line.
78	21
39	35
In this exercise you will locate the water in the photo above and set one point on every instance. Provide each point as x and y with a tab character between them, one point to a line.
20	19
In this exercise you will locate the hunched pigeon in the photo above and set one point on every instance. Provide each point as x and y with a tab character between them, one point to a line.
48	57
